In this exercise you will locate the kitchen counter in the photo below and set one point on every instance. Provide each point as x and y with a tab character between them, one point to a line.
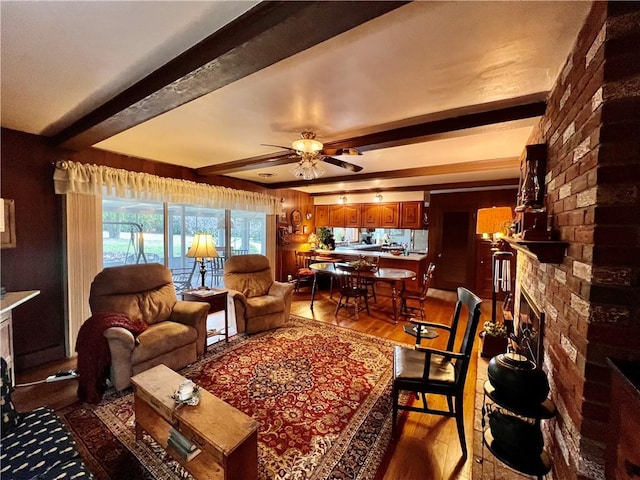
358	246
344	251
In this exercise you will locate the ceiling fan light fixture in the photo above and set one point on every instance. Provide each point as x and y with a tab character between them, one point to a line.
307	143
307	169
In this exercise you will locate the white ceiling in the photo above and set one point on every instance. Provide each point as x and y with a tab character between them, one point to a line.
62	59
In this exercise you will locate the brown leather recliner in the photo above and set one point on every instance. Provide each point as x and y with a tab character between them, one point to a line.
176	332
260	303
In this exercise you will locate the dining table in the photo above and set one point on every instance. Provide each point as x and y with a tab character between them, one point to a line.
393	276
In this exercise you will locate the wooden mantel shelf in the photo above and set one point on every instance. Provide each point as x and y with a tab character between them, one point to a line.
545	251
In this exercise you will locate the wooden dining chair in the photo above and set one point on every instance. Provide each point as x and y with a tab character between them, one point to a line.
429	371
417	296
370	283
303	273
351	287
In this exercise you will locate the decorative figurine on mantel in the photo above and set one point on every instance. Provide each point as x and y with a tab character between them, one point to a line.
531	216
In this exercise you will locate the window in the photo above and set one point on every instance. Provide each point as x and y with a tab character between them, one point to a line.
248	231
132	232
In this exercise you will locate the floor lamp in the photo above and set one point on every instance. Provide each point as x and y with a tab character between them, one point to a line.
492	223
203	247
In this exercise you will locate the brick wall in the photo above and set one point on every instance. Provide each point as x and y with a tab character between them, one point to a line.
591	299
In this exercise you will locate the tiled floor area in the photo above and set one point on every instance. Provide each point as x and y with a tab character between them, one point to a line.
487	468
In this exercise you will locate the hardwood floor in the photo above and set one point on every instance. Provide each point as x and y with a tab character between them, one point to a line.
428	446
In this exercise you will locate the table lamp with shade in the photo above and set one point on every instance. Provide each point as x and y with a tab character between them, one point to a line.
202	248
493	224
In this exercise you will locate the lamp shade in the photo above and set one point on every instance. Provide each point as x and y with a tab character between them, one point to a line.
307	143
203	246
493	220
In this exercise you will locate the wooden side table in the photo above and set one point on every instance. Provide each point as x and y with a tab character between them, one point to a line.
217	300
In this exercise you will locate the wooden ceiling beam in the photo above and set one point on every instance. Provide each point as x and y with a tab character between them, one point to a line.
453	121
508	183
448	124
269	32
445	169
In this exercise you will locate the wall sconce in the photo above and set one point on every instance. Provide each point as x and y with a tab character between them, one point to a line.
342	199
378	198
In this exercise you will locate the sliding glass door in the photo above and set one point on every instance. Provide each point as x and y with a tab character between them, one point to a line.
134	232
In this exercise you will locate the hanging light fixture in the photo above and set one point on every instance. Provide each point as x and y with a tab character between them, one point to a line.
307	143
378	198
342	199
307	147
307	168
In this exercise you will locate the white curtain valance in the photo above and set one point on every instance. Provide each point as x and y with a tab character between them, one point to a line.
86	179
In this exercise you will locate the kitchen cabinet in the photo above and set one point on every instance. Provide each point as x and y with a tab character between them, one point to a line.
321	213
371	215
411	215
352	216
336	215
389	215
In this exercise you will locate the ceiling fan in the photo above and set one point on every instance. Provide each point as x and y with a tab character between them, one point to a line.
311	151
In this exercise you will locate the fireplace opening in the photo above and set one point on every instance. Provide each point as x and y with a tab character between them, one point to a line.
530	329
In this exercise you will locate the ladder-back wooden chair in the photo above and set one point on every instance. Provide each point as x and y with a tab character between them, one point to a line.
428	371
352	287
417	296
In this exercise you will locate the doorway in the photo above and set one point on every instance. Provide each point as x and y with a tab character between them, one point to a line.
456	250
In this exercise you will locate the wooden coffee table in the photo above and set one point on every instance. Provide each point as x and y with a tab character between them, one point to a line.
227	437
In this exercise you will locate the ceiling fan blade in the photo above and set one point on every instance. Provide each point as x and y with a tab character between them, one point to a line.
341	163
341	151
279	146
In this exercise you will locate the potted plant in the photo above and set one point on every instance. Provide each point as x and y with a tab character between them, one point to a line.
325	238
494	339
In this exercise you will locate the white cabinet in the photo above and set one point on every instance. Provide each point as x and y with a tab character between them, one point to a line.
10	301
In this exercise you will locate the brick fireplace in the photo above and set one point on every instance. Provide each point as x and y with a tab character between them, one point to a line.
591	299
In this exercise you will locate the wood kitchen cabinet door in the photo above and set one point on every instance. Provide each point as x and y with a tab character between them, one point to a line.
411	215
321	215
352	216
389	215
371	215
336	215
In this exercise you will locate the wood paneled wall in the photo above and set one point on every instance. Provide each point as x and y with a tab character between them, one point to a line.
288	244
37	261
465	203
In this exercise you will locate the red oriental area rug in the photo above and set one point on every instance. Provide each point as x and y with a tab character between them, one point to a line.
320	393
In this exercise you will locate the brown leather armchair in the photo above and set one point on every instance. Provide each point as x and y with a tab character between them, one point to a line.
176	332
260	303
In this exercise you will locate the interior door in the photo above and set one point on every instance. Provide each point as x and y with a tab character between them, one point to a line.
455	249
